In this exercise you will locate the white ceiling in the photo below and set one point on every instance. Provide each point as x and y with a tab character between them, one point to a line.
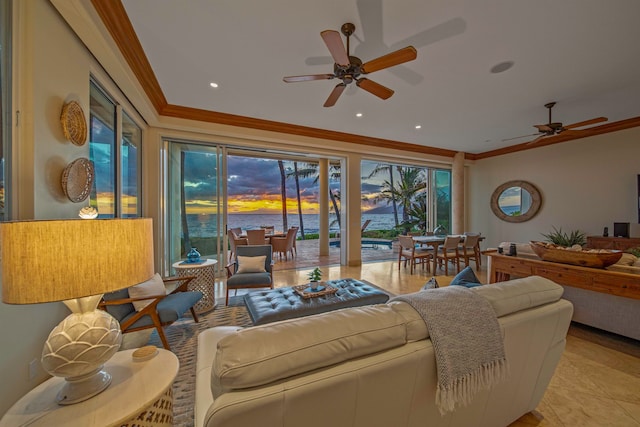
584	54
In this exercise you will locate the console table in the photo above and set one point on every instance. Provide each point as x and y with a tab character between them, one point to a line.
620	243
501	267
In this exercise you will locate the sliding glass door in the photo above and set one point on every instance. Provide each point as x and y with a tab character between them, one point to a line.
194	194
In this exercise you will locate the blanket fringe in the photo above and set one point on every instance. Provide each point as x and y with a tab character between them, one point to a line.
462	390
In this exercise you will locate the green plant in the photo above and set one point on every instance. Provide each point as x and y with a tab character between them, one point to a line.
557	237
634	251
315	275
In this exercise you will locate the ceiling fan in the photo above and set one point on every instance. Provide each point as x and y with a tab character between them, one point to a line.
554	128
349	68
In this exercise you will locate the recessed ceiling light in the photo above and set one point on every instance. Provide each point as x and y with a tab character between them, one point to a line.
212	84
418	127
501	67
358	114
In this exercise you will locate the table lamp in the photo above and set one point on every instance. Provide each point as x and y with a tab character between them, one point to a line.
76	261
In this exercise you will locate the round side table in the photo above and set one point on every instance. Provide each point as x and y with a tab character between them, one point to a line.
205	273
139	395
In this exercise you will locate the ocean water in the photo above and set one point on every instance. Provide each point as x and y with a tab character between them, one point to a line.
205	225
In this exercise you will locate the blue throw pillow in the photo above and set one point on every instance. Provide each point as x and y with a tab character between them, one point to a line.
466	278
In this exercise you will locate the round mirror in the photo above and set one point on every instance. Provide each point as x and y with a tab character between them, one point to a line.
516	201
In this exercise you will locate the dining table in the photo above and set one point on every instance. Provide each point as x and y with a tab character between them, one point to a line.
435	241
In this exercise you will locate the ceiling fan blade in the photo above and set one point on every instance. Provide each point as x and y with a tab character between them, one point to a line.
334	95
543	128
375	88
533	141
585	123
307	78
521	136
401	56
335	45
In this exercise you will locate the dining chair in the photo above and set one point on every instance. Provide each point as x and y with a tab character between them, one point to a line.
469	248
268	229
148	305
251	268
237	231
478	250
448	252
234	242
409	253
284	245
257	237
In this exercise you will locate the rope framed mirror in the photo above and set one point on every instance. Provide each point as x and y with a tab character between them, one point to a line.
516	201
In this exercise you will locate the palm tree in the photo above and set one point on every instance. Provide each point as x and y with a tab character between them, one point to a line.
296	176
380	168
412	183
283	194
312	169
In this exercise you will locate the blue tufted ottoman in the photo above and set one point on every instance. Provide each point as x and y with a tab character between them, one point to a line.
272	305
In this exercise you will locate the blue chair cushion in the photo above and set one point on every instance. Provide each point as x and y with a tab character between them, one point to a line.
466	278
119	311
249	279
170	309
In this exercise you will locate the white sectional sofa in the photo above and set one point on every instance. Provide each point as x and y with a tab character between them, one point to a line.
373	366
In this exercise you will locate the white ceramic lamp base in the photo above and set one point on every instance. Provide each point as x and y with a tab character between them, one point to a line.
78	348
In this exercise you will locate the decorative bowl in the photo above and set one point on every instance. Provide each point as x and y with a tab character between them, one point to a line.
597	258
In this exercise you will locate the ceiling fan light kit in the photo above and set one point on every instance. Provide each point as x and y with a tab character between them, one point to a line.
349	68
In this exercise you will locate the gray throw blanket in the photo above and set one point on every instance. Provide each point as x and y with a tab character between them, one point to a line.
466	339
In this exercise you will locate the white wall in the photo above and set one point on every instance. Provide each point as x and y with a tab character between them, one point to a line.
586	184
53	68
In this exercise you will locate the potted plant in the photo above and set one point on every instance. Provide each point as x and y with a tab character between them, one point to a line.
559	238
314	277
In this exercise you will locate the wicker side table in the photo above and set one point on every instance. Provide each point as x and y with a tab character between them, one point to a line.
139	395
205	274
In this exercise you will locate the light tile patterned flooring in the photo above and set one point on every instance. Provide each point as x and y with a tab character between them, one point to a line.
594	384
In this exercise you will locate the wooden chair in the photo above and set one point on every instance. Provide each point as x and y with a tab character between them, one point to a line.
470	249
234	242
237	231
285	245
448	252
257	237
161	311
477	250
260	277
409	253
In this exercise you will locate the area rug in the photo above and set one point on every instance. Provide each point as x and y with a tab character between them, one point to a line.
183	337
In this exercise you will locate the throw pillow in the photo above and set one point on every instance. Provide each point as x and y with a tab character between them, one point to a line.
466	278
431	284
251	264
152	287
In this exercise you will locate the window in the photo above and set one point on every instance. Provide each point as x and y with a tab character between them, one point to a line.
114	149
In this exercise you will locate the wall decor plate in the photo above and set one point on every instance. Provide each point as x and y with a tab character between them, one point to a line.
77	179
74	124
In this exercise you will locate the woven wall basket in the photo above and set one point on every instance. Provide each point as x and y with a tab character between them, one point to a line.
77	179
74	125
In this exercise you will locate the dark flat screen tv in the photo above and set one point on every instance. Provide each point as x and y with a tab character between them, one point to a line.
620	229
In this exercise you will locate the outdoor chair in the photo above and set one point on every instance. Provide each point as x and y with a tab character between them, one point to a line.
237	231
148	305
257	237
448	252
409	253
470	249
285	245
251	268
234	242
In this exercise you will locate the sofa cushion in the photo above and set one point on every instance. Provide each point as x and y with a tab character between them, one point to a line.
466	278
627	259
520	294
262	354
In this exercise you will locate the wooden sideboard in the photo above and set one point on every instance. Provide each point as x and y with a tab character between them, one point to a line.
621	243
502	267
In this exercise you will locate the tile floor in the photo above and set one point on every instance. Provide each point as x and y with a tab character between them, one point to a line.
597	382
